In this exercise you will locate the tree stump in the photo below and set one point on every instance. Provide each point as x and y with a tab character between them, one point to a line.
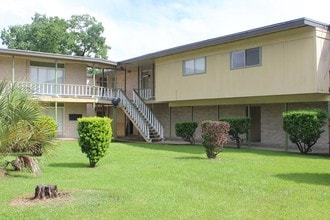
45	191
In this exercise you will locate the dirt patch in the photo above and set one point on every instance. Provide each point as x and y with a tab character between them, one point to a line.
28	200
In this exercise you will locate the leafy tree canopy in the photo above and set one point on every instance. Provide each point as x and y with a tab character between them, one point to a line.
81	35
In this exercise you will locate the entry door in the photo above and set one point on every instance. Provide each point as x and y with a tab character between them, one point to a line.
255	113
145	80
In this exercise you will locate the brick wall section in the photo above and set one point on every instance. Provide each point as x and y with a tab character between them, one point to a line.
272	124
232	111
161	111
202	113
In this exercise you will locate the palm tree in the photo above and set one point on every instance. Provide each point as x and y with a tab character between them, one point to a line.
18	111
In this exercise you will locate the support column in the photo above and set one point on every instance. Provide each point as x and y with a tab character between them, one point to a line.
170	113
13	69
329	126
192	113
125	81
56	112
94	84
56	82
114	113
249	131
286	107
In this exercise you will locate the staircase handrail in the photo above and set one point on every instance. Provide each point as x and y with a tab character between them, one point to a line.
150	117
134	114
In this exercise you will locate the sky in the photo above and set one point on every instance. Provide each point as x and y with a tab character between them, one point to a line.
137	27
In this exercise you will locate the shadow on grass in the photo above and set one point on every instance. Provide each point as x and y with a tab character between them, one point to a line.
69	165
309	178
179	148
276	153
199	149
191	158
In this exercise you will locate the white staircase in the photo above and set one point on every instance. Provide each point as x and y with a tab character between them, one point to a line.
142	117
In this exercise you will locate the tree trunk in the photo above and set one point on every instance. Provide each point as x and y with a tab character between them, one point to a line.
45	191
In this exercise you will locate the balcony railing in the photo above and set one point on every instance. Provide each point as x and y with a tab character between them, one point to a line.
146	94
69	90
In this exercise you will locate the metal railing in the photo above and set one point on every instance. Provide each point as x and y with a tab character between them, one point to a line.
150	117
69	90
133	113
146	94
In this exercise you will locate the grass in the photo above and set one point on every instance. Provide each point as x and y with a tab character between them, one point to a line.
149	181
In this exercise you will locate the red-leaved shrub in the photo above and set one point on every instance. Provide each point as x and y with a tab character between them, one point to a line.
215	135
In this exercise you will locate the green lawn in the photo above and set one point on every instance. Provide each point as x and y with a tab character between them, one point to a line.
149	181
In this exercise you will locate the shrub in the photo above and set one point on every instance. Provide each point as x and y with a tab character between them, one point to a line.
304	127
238	126
186	130
94	137
215	135
44	131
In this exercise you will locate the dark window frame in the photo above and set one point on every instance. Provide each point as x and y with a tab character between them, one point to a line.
246	58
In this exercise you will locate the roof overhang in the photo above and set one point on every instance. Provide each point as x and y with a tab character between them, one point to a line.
288	25
90	62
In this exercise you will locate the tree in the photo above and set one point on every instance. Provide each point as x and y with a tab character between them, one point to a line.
19	114
18	111
214	135
81	35
304	127
94	137
87	37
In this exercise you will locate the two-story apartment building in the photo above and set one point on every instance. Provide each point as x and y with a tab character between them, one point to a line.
258	73
59	83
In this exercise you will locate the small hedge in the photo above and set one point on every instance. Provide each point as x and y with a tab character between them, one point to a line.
94	137
186	130
238	126
215	135
304	127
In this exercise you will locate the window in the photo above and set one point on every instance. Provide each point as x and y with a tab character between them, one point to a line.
194	66
246	58
41	72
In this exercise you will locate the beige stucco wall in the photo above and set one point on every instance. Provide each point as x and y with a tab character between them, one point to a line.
21	72
288	67
70	127
75	74
323	59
